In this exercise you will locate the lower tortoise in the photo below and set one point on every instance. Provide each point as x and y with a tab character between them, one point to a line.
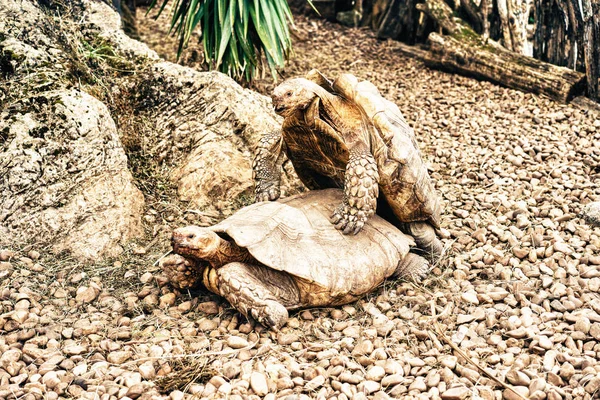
272	257
346	135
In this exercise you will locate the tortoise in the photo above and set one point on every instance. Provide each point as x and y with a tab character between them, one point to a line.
346	135
272	257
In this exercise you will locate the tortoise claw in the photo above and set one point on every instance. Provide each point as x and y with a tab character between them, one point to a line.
345	221
269	194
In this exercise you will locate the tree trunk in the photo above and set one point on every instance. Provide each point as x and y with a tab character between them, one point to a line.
494	63
400	21
464	52
591	40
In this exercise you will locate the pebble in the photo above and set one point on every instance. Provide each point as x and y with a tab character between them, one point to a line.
86	294
258	383
236	342
456	393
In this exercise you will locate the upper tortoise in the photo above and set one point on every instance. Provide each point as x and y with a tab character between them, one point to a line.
346	135
271	257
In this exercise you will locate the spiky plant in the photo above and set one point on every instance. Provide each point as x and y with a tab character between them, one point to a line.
238	36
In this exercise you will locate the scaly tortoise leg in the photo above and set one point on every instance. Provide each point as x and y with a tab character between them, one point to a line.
259	292
426	239
361	189
413	266
182	272
266	167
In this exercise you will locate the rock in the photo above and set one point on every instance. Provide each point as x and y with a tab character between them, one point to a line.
315	383
509	394
118	357
258	383
392	380
224	129
208	307
591	213
368	387
470	297
457	393
237	342
285	339
375	373
91	208
74	349
418	384
86	294
167	300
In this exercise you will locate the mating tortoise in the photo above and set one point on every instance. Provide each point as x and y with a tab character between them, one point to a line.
347	135
274	256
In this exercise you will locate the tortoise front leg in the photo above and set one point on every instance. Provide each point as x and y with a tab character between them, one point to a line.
182	272
259	292
361	189
266	168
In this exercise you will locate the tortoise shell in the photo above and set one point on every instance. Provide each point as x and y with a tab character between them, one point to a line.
295	235
320	154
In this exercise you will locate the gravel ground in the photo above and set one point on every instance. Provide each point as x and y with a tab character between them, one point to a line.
515	304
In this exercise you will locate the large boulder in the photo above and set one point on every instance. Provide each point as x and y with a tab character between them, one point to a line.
207	126
65	180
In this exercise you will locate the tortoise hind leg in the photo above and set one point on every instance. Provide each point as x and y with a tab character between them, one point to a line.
413	266
258	292
426	239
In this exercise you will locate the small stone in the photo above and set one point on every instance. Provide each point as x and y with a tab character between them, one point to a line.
258	383
509	394
236	342
285	339
167	300
517	378
74	350
449	361
118	357
147	370
50	379
315	383
375	373
392	380
456	393
207	325
135	391
86	294
583	324
368	387
177	395
6	255
418	384
470	297
146	277
208	307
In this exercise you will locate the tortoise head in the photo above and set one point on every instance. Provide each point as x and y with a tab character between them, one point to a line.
196	242
293	94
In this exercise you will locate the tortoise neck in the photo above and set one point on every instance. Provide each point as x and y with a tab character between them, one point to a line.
228	252
322	93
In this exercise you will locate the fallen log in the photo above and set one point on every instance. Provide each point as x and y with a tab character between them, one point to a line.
465	52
